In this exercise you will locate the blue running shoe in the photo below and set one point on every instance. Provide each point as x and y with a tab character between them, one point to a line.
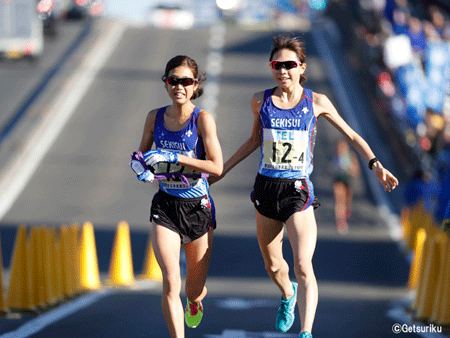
305	334
286	311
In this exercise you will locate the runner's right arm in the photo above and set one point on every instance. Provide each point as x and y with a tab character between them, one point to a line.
147	135
137	163
251	144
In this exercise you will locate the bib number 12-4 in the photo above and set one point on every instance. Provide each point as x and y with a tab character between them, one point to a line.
284	150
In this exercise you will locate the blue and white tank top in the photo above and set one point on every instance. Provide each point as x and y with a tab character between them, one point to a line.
288	138
186	142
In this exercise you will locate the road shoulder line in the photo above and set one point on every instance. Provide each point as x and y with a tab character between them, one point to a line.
22	167
38	324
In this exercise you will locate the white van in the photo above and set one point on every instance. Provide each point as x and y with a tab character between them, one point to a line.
21	30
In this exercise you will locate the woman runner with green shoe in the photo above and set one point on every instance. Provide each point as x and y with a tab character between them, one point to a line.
284	126
182	211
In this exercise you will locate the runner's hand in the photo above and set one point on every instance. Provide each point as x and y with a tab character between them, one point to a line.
153	157
385	177
140	168
146	176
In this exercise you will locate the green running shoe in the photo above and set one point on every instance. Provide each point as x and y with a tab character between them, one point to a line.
193	314
305	334
286	311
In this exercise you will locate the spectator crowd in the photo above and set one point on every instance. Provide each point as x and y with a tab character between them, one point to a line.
405	48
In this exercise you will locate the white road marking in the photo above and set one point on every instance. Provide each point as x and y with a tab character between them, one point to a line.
20	170
33	326
245	304
214	62
245	334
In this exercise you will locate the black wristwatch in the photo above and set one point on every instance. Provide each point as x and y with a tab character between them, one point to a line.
371	162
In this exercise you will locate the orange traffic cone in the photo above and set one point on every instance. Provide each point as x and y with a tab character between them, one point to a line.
121	265
36	280
66	262
19	296
56	266
47	265
74	247
151	269
89	272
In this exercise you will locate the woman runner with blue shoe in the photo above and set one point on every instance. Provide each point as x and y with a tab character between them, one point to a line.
182	211
284	126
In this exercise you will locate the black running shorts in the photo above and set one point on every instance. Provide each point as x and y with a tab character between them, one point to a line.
191	218
280	198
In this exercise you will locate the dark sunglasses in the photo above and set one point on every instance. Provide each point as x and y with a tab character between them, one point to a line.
277	65
184	81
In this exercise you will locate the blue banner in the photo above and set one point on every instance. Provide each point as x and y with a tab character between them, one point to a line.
437	61
412	84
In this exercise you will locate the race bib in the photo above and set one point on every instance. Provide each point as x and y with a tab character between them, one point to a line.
284	149
175	183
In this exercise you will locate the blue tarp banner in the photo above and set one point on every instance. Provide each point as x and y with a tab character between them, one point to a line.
424	89
412	84
437	72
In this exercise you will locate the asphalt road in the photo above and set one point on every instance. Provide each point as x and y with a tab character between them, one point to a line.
85	177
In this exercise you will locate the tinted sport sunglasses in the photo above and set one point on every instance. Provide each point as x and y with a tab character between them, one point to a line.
184	81
277	65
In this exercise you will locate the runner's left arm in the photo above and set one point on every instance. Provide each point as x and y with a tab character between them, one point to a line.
324	107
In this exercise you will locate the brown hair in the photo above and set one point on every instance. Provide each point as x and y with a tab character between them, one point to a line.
183	60
295	44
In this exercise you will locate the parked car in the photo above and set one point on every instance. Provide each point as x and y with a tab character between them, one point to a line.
171	17
81	9
47	13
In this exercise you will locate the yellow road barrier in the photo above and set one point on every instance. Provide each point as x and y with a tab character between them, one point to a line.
417	220
436	252
423	265
417	259
405	222
121	264
441	305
